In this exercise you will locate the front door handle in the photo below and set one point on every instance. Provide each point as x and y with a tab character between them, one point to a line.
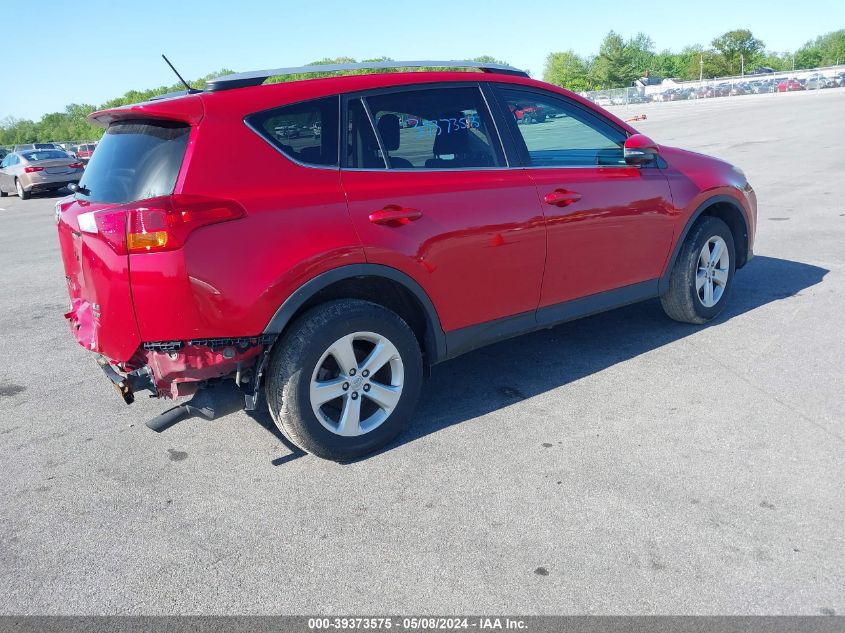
395	215
561	197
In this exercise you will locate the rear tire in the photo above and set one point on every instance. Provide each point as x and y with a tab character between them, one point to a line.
701	280
322	395
22	193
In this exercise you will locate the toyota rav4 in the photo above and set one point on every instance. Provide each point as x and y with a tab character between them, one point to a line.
328	272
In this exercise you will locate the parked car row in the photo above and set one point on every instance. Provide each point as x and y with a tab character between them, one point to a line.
754	85
29	168
28	171
74	150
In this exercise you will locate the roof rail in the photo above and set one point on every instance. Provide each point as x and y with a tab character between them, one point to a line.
258	77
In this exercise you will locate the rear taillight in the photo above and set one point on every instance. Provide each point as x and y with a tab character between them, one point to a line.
161	224
31	169
76	166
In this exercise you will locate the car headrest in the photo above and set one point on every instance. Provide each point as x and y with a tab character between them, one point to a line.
452	139
388	129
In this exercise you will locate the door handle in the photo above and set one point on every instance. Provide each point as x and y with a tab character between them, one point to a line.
395	215
561	197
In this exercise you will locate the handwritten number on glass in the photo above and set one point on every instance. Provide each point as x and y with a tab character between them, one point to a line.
430	127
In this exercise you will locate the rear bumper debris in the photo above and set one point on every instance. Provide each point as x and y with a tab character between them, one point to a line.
128	384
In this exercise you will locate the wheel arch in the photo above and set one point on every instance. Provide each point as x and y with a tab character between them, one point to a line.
727	209
380	284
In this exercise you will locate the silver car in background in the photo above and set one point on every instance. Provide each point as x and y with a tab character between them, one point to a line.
29	171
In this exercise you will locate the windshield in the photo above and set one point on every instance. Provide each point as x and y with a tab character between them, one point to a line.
135	160
46	154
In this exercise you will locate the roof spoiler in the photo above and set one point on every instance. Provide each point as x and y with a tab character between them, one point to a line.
181	106
258	77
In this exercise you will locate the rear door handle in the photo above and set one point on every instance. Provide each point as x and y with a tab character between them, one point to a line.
395	215
561	197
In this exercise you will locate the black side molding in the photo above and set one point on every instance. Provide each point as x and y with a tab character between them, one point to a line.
441	345
466	339
599	302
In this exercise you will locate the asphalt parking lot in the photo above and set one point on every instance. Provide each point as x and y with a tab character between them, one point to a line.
620	464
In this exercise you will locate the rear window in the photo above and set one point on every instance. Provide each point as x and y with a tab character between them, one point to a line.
135	160
306	132
47	154
45	146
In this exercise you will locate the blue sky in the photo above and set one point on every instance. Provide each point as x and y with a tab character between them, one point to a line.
87	51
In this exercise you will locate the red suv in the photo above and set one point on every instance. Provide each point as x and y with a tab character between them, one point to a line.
85	152
329	272
790	85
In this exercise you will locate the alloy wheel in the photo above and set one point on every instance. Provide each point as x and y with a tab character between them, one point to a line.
711	279
357	384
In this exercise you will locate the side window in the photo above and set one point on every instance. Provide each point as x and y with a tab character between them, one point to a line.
435	128
557	133
5	162
307	132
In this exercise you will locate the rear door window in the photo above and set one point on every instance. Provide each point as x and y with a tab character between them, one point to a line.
307	132
135	160
434	128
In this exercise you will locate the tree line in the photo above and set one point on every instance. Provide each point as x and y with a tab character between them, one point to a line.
619	61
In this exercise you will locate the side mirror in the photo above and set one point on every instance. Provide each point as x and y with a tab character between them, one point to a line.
640	150
73	187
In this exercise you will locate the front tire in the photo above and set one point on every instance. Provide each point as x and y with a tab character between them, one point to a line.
702	277
344	379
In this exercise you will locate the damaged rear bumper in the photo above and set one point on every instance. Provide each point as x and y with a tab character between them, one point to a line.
175	369
128	384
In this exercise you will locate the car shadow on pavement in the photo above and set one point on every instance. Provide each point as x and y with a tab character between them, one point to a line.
517	369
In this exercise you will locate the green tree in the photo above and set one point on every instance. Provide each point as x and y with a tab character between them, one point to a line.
675	65
568	70
614	65
641	53
773	60
734	46
825	50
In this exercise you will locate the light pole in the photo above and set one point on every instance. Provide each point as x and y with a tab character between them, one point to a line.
742	65
701	69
